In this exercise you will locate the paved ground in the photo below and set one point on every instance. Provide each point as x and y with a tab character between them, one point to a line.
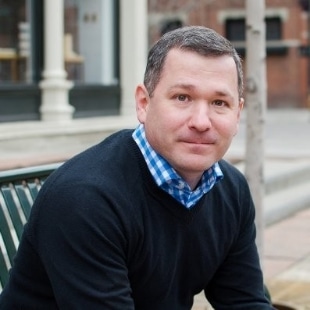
287	260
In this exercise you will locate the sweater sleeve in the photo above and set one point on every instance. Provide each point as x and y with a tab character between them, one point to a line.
81	241
238	283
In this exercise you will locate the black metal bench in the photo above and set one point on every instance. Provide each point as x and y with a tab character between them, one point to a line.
18	190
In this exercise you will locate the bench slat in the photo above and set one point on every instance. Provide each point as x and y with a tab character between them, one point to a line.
34	188
25	200
8	240
18	190
13	206
4	276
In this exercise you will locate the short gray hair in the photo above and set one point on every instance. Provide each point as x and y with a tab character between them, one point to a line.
198	39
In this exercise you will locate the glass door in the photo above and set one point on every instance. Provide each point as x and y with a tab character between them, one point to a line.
89	47
15	41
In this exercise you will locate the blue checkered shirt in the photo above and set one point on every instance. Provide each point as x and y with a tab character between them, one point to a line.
168	179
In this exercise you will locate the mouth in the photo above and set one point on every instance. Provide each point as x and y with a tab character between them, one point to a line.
200	141
198	147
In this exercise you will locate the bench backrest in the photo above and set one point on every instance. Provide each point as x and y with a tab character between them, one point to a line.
18	190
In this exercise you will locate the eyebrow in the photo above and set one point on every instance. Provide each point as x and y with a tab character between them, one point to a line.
221	93
183	86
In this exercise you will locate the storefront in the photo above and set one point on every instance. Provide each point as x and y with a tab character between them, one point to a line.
61	59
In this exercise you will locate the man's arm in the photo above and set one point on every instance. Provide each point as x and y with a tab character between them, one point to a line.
238	283
81	243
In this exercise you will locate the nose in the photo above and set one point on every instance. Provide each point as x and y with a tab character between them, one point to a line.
200	117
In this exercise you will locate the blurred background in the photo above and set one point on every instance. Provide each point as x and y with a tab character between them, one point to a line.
68	70
100	39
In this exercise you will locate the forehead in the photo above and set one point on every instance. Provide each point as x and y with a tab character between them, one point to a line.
184	54
189	69
189	63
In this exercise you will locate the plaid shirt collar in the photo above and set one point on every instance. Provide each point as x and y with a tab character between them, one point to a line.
168	179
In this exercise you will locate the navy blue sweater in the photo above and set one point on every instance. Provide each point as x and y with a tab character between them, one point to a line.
102	235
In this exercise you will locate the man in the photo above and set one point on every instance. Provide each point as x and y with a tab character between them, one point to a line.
148	218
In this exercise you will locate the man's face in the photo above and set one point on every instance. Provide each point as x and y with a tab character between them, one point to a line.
194	112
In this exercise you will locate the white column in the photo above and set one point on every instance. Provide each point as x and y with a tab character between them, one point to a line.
134	46
108	52
55	88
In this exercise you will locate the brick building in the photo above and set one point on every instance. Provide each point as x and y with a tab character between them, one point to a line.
287	29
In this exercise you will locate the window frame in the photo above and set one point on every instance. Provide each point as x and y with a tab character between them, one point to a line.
274	42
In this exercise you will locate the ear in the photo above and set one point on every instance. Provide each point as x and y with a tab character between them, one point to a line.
240	108
142	102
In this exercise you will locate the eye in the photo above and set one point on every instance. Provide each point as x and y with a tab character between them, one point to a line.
219	103
182	98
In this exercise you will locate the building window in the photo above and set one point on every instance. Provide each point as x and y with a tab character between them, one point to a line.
90	51
236	33
15	41
273	28
170	25
91	57
235	29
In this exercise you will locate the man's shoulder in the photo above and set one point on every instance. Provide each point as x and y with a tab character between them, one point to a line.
98	159
232	175
112	144
228	167
117	137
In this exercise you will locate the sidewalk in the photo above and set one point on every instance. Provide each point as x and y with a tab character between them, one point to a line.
287	260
